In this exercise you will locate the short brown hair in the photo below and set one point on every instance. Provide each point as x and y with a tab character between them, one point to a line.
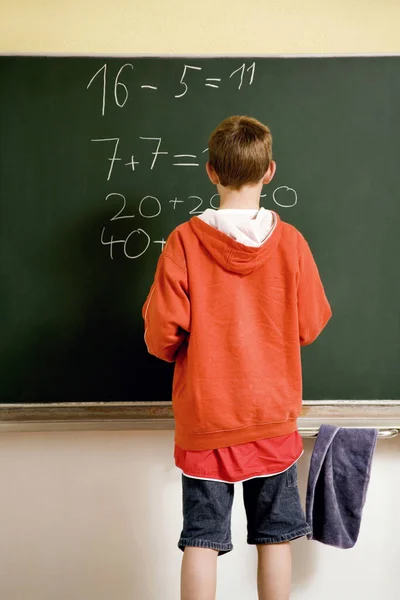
240	151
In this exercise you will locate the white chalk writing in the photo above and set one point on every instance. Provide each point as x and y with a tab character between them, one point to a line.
121	89
182	82
155	154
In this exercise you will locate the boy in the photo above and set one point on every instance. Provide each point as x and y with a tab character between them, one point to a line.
235	295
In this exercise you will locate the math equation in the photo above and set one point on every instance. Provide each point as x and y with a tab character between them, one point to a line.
150	153
243	75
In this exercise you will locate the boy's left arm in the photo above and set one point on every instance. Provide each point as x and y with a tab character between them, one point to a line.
166	312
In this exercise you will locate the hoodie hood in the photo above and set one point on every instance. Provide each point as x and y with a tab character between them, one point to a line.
240	245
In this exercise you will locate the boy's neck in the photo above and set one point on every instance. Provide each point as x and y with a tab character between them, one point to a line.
246	198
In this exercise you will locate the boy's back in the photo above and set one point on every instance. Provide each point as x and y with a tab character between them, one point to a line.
235	295
243	313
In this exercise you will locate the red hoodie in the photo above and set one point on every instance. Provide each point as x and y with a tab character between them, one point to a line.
233	318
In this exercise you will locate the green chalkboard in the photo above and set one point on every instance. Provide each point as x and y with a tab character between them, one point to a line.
92	180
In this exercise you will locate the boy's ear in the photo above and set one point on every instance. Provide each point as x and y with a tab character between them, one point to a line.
212	174
270	173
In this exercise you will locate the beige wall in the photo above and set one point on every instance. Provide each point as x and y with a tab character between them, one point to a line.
95	516
200	26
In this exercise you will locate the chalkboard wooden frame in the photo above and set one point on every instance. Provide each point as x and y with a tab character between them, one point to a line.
88	416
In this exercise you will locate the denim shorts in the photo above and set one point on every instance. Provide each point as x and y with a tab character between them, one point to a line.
273	509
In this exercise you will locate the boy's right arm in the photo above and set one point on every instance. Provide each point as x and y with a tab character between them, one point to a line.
166	312
313	307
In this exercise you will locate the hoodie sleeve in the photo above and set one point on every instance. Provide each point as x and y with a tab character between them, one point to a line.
166	312
313	307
